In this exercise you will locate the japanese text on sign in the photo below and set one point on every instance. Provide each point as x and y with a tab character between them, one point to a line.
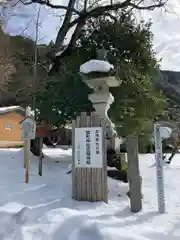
88	147
28	129
78	155
97	141
159	168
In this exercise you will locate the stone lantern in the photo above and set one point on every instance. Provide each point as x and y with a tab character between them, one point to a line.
99	75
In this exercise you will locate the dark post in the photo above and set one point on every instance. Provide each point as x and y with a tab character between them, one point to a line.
41	155
134	174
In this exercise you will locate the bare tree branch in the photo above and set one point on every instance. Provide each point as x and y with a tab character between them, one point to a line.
65	25
67	50
158	3
49	4
148	7
102	9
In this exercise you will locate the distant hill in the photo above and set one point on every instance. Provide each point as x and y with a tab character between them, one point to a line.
169	82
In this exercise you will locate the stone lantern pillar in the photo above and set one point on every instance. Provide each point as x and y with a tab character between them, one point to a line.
98	74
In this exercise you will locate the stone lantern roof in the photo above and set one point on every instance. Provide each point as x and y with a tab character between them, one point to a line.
97	68
99	73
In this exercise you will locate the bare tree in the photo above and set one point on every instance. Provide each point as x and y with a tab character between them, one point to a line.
78	12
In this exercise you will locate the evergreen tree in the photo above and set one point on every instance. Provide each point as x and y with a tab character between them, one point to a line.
129	46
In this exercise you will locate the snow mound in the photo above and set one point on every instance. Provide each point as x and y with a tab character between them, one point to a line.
96	66
89	230
11	217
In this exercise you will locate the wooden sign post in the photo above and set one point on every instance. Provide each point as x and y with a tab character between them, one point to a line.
28	127
89	169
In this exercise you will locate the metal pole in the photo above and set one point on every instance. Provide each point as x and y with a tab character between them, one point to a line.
35	61
159	168
27	144
27	160
28	113
25	147
41	156
35	73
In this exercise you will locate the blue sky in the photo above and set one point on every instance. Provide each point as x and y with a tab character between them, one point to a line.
165	29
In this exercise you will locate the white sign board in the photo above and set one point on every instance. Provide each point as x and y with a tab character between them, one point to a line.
28	128
159	168
88	147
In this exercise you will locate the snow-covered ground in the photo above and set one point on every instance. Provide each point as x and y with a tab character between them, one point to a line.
44	210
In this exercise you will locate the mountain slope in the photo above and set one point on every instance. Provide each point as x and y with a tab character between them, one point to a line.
169	82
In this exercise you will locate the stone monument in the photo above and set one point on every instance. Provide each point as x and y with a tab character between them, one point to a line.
99	75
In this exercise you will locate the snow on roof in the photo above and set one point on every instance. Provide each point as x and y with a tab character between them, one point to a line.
10	109
96	66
